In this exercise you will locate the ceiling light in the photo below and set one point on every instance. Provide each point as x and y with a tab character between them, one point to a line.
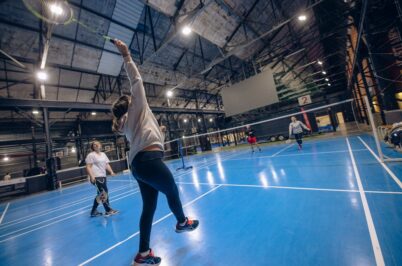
329	84
56	9
93	113
6	159
319	62
169	94
211	120
324	72
186	30
73	150
35	112
302	18
185	120
326	79
199	120
41	75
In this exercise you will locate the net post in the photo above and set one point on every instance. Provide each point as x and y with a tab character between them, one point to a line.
128	163
373	128
183	167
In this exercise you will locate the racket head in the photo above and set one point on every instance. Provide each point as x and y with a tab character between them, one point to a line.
102	197
51	11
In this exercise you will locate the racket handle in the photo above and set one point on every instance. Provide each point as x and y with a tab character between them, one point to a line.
112	41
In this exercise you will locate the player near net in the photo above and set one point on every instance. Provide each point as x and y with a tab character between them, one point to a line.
97	163
251	138
296	128
134	119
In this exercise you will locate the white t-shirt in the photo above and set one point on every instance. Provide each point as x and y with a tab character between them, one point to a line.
297	127
98	161
141	127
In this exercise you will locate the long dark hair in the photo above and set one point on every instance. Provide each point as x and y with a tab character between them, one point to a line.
119	108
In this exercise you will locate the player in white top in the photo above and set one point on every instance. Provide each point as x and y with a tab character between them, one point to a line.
97	164
133	117
296	128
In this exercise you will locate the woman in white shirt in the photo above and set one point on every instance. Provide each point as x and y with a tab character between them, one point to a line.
296	128
97	164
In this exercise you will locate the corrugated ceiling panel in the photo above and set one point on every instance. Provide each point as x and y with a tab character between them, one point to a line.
120	33
129	13
110	64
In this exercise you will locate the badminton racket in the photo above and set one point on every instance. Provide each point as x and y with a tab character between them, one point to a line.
102	195
58	12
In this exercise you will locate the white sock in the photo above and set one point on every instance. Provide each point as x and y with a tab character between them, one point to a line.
182	224
144	254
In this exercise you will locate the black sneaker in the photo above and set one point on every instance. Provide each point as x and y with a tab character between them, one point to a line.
96	214
111	212
148	260
190	225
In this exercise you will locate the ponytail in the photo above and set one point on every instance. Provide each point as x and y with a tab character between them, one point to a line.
119	109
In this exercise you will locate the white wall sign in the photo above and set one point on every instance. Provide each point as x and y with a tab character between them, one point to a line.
303	100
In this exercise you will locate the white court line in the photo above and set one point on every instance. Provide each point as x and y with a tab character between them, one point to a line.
56	217
213	161
294	188
4	212
231	155
66	218
136	233
383	164
56	194
131	181
61	207
284	149
294	154
373	234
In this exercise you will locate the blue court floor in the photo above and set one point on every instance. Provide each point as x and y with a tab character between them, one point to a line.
332	203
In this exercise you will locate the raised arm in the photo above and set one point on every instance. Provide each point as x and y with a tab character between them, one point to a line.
136	86
290	130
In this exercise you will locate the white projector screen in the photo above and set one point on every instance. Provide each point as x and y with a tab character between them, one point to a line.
252	93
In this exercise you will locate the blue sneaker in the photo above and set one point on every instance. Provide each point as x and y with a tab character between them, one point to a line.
148	260
190	225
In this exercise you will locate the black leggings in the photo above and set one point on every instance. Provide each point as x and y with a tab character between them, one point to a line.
100	183
153	176
298	138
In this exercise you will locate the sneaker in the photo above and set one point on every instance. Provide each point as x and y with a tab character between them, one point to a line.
148	260
190	225
96	214
111	212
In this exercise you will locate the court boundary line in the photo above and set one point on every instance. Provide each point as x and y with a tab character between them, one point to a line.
81	209
389	171
296	154
180	175
4	212
56	193
154	223
63	219
60	207
291	188
283	149
370	224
